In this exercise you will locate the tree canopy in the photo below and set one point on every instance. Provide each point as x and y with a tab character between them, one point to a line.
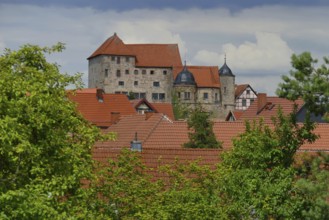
45	145
308	82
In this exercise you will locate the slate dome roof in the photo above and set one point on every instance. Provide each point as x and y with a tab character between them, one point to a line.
185	77
225	70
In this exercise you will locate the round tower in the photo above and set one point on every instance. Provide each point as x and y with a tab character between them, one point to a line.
185	86
227	81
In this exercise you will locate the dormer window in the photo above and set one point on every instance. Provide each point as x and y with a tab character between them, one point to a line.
184	78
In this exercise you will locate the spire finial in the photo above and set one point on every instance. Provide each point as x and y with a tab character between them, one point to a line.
225	58
184	62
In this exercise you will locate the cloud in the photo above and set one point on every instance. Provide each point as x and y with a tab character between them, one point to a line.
269	52
256	40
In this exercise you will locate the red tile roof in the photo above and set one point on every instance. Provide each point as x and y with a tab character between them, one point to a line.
270	109
99	113
147	55
205	76
239	89
165	108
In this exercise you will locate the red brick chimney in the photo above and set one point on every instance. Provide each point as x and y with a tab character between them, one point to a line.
99	95
261	101
115	117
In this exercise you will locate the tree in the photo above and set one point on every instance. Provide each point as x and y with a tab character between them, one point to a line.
202	135
45	145
180	109
260	178
308	82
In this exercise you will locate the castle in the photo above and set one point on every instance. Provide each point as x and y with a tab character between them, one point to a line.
156	72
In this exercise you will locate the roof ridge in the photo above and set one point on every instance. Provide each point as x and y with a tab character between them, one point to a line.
154	127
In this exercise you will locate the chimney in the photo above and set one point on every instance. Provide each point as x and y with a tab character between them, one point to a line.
261	101
99	95
115	116
136	145
148	115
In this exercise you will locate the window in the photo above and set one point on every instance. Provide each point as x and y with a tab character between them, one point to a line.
121	83
156	84
152	72
178	95
162	96
118	60
248	92
135	72
205	96
106	72
127	72
113	58
118	73
135	83
140	95
244	102
216	97
117	92
165	72
127	59
224	90
187	95
143	72
155	96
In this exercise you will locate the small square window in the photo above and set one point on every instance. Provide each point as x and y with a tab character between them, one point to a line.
127	59
143	71
142	95
165	72
187	95
156	84
135	72
205	96
106	72
118	73
152	72
155	96
121	83
118	60
113	58
248	92
162	96
127	72
135	83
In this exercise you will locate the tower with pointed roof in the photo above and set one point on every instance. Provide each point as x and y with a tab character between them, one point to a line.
227	79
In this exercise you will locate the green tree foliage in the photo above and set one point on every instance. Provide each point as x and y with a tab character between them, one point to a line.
45	145
202	134
308	82
180	109
260	180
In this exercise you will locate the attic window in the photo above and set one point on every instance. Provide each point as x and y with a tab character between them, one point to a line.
205	96
248	92
165	72
127	59
152	72
184	78
135	72
113	58
118	60
143	71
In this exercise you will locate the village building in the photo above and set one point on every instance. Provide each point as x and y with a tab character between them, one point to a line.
156	72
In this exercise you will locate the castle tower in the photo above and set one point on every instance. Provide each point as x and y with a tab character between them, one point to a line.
227	79
185	86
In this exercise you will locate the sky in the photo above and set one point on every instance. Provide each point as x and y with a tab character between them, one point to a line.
257	36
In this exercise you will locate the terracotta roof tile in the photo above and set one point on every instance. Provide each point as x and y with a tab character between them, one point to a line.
147	55
239	89
205	76
156	55
99	113
165	108
112	46
270	109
